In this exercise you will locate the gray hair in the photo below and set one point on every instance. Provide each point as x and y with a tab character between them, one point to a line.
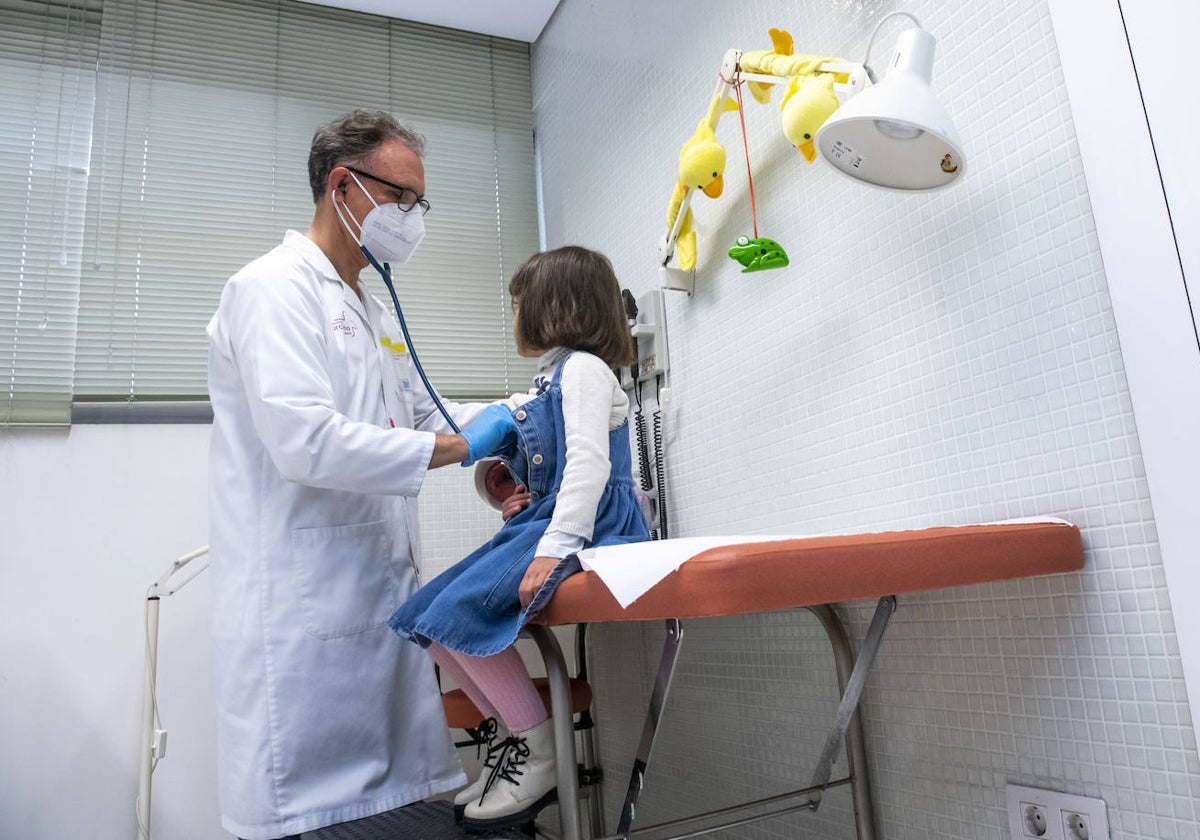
352	139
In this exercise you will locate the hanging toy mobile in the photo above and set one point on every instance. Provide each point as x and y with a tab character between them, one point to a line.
813	86
758	253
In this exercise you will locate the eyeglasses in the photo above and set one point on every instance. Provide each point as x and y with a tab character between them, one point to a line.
408	196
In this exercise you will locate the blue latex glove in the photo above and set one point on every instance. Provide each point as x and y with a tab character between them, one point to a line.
491	432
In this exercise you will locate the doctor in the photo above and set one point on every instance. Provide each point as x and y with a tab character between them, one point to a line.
321	440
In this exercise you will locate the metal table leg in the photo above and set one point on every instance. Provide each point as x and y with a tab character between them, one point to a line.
658	699
852	676
564	730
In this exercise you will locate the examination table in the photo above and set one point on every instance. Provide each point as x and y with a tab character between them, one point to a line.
784	574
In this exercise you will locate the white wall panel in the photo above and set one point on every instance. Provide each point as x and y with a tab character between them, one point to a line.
88	520
924	360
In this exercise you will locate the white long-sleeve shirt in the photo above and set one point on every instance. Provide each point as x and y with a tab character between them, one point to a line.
593	404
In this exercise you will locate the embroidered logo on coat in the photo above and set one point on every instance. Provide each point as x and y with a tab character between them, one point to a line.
343	326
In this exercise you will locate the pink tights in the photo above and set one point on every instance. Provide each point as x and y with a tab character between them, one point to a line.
497	685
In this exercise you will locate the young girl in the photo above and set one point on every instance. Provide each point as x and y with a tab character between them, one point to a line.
573	459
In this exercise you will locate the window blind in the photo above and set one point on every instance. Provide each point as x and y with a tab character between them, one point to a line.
199	138
47	74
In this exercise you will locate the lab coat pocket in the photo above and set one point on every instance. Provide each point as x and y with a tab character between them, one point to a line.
344	577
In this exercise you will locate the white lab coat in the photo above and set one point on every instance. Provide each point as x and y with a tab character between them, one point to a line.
321	438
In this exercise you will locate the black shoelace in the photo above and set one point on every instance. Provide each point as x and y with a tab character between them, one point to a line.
512	752
485	736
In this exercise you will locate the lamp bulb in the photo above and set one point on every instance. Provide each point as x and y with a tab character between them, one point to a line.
897	130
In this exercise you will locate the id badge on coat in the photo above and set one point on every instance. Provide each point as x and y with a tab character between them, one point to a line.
397	380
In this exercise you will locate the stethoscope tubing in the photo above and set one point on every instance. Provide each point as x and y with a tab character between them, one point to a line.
385	271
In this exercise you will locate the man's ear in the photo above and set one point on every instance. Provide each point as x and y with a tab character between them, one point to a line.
338	177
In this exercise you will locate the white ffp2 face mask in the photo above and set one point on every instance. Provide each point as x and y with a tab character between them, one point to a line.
390	234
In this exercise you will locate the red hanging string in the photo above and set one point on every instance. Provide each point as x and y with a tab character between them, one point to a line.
737	89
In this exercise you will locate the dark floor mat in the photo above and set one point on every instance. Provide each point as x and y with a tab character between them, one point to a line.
419	821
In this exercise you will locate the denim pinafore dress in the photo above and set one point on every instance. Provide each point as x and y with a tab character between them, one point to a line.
474	607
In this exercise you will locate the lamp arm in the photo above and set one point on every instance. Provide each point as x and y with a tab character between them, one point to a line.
168	583
154	740
857	78
875	31
726	78
666	249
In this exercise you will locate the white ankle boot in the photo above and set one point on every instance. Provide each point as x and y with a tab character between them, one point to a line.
523	782
495	734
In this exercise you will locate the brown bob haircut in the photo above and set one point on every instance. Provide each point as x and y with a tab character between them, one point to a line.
570	297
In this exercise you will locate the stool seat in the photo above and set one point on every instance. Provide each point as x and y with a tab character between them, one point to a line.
462	714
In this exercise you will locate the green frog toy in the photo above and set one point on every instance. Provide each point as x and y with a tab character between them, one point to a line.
758	254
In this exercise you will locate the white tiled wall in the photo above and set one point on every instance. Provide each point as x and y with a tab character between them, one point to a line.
454	520
938	359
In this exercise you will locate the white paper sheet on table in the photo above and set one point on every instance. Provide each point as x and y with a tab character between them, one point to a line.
629	571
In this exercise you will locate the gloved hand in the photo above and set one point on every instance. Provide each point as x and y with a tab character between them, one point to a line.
491	432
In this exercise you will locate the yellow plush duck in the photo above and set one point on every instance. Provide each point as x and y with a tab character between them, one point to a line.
702	162
781	45
779	61
701	167
807	103
808	99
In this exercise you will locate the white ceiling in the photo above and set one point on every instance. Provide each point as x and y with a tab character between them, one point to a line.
520	20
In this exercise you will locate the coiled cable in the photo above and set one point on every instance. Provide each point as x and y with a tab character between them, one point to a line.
643	448
660	471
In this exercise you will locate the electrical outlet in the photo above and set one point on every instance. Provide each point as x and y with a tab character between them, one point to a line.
1038	814
1034	819
1076	826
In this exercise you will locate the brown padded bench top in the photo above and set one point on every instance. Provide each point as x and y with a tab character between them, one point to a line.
788	573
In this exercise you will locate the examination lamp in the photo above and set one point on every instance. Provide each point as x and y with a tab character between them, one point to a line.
895	135
154	738
891	134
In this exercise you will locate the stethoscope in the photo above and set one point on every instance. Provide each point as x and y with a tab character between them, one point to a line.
385	271
482	476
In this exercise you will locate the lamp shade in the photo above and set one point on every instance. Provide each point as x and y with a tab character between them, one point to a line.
895	135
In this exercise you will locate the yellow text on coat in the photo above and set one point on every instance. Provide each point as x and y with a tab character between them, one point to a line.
397	347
